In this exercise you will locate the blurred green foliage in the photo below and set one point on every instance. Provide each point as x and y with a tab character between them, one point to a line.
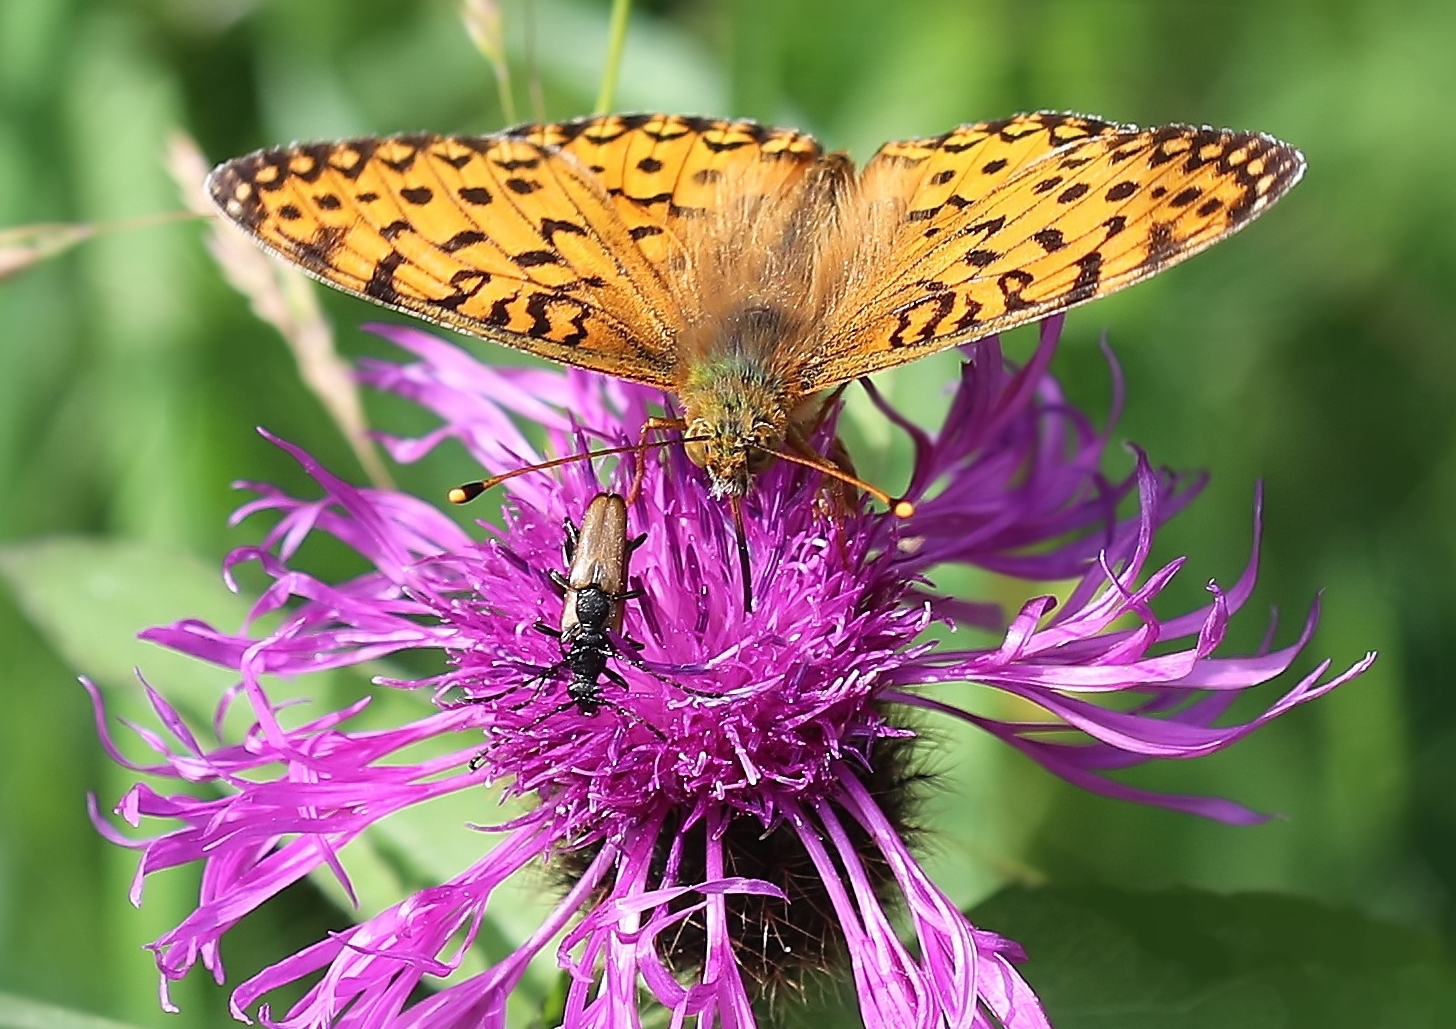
1314	352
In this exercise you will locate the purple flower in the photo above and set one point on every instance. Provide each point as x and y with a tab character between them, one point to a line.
736	815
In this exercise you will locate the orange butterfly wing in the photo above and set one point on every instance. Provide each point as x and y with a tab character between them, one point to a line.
663	169
1001	223
554	239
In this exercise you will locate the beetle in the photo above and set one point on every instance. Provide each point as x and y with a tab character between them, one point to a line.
595	594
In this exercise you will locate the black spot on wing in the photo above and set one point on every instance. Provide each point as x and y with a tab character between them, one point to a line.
500	310
941	303
517	164
317	254
395	229
1161	245
349	159
1049	240
534	258
403	162
467	283
720	146
541	308
971	316
1089	274
1011	285
381	284
551	226
310	161
461	240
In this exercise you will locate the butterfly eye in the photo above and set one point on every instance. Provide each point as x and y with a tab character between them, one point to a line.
763	440
697	452
758	460
699	432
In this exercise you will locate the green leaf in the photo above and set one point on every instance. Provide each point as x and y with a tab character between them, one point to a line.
1183	959
90	597
23	1013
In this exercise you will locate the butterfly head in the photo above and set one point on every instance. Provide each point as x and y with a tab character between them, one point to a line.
735	423
732	453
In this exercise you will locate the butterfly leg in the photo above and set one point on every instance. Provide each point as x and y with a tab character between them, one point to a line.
653	424
837	497
808	422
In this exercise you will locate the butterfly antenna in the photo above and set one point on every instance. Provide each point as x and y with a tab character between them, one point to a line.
736	504
901	507
466	492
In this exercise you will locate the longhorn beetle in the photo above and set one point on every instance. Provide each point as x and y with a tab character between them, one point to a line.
594	589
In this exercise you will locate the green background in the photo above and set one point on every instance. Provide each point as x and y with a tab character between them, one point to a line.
1314	352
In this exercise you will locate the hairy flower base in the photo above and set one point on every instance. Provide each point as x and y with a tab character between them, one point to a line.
737	810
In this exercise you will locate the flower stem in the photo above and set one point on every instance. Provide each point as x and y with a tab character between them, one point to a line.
617	37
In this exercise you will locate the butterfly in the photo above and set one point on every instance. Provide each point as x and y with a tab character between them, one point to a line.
740	267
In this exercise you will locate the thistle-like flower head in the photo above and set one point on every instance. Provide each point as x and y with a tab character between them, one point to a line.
735	810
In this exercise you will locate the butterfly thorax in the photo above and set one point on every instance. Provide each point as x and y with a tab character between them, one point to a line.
737	414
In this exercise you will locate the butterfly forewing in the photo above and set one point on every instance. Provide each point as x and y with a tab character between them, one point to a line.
559	239
496	236
1061	223
970	162
661	168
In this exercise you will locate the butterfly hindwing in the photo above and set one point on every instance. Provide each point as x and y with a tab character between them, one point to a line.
1080	209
